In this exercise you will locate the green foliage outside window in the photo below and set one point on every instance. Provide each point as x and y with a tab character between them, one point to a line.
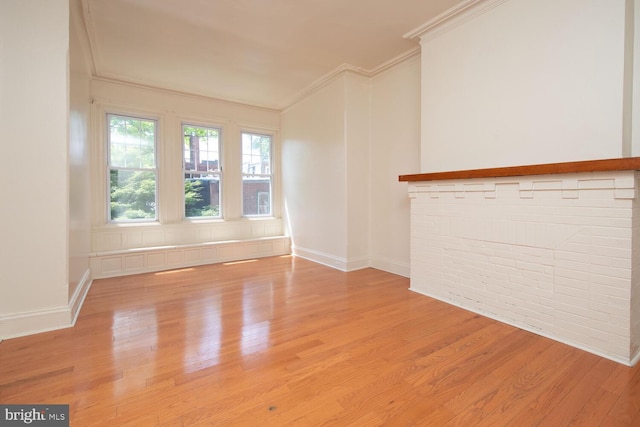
133	194
132	175
194	200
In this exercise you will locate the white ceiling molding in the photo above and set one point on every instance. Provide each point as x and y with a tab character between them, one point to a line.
321	82
76	12
395	61
145	86
452	18
86	12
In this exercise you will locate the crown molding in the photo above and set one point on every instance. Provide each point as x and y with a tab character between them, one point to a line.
77	20
319	84
462	12
348	68
112	79
89	33
395	61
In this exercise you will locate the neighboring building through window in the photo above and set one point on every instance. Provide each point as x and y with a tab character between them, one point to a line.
132	168
256	174
202	171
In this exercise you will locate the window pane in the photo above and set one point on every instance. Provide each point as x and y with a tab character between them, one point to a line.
131	142
202	172
256	195
201	149
256	154
133	195
256	174
201	195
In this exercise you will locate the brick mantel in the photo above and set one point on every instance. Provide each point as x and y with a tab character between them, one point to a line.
552	249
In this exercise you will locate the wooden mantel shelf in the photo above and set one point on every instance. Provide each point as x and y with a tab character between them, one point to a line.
627	163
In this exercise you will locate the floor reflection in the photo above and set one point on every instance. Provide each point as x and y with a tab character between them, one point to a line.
134	343
255	337
257	312
203	335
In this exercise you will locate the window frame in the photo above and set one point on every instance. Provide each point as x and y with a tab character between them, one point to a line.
270	175
110	167
219	173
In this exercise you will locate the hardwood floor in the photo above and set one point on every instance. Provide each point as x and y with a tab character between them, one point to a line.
283	341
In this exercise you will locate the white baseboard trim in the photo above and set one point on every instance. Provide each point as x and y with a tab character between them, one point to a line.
635	359
146	260
332	261
622	361
35	322
320	258
342	264
392	266
354	264
78	297
50	319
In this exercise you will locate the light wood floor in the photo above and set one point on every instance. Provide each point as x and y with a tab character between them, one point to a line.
283	341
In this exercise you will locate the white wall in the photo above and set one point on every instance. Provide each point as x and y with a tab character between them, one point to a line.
343	148
357	163
525	82
33	124
79	147
395	148
633	37
314	175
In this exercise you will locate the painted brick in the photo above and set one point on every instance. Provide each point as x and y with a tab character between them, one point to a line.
548	185
572	256
572	274
552	255
608	283
620	273
626	193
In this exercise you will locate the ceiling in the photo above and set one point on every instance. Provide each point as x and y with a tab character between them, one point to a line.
259	52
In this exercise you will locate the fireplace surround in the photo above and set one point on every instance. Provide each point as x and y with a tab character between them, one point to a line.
552	249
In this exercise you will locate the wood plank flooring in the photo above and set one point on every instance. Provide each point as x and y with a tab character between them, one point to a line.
284	341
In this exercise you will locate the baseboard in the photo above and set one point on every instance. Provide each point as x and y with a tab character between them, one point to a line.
320	258
352	264
392	266
627	362
635	359
339	263
77	299
146	260
51	319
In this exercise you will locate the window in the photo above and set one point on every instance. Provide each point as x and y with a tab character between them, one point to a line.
202	171
256	174
132	168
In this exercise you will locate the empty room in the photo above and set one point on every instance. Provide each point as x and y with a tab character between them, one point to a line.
306	213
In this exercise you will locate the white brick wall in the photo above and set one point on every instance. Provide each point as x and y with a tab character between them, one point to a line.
635	286
553	254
